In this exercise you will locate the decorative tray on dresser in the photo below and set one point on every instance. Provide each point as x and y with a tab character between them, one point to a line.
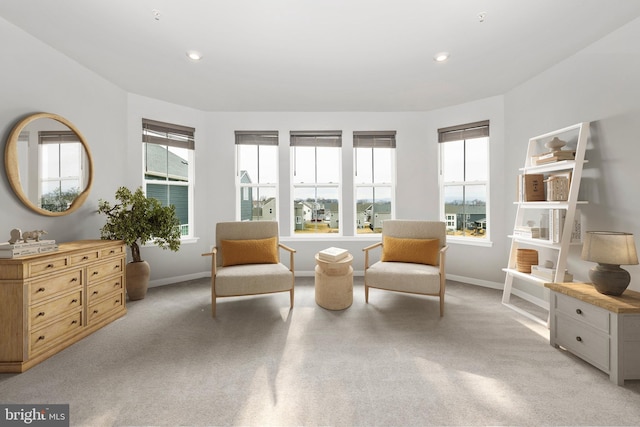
51	300
601	329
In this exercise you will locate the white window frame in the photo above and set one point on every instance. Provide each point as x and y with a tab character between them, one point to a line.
374	140
179	136
257	139
317	139
467	133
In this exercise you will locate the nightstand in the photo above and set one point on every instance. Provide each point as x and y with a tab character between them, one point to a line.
603	330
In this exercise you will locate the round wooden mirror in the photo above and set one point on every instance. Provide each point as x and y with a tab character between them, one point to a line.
49	164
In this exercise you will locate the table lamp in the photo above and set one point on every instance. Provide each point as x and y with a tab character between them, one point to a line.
609	249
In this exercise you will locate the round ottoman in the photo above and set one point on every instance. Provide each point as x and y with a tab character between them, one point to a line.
334	283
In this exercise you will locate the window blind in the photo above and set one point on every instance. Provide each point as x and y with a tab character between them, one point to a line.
327	138
374	139
155	132
57	136
246	137
461	132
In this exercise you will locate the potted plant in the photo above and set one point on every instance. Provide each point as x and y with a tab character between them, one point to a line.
137	219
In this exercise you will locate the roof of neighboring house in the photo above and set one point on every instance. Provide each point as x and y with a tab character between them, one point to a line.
466	209
158	163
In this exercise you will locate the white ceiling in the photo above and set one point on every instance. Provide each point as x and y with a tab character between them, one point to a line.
318	55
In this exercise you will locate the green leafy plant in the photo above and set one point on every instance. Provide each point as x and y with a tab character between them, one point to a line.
137	219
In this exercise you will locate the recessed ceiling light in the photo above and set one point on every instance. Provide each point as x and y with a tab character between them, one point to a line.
194	55
441	57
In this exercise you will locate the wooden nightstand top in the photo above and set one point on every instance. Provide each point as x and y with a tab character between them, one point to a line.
628	302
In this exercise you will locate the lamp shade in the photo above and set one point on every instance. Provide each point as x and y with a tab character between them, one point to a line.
609	247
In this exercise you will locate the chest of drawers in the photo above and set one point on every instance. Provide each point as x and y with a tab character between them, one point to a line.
49	301
600	329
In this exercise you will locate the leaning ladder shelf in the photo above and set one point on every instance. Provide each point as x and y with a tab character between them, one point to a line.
577	137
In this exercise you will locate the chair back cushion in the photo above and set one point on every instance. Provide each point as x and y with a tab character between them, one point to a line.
250	251
417	251
244	230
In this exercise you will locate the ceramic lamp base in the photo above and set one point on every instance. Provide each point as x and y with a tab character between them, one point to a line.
609	279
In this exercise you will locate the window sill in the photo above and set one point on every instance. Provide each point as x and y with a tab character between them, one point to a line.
331	238
469	242
183	241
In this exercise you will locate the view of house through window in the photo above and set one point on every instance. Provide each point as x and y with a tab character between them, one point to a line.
316	166
257	175
464	179
167	159
373	179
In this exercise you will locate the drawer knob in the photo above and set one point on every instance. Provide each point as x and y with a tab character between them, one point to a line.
40	314
117	301
85	258
75	279
578	311
49	265
73	301
579	338
41	337
112	251
95	293
40	290
95	273
95	311
73	322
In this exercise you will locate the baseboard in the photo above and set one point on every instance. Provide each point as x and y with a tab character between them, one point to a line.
178	279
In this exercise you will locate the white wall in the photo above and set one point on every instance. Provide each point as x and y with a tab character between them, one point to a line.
35	78
599	84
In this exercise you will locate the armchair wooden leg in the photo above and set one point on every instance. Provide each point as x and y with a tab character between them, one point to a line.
213	307
441	305
291	298
366	293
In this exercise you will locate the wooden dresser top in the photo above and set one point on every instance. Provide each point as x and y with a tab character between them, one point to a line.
628	302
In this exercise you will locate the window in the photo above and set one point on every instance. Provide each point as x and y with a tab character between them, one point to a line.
62	169
374	183
464	179
168	168
316	181
257	175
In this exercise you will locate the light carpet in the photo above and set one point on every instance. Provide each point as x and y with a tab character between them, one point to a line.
392	362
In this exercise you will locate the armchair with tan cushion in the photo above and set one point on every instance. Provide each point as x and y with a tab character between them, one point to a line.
412	259
246	261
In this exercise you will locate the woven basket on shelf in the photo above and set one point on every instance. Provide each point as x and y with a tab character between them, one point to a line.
525	258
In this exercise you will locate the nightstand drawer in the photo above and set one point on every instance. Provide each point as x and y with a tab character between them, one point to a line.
42	313
98	272
587	342
43	289
584	312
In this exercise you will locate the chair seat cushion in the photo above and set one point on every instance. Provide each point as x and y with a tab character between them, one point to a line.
404	277
251	279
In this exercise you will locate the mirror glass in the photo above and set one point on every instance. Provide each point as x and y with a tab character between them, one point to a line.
49	164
